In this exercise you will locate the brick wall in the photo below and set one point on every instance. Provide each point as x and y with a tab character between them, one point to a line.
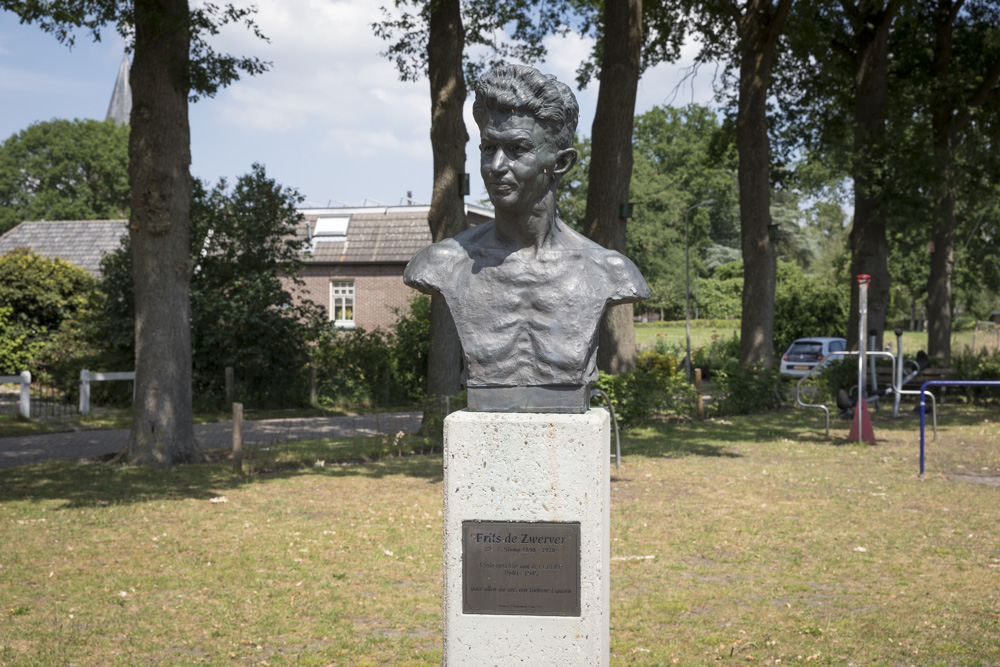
378	289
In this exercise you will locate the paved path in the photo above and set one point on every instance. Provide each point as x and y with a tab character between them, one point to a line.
27	449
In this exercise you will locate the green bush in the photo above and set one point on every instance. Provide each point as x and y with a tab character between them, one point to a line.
360	367
807	306
38	294
981	365
748	390
720	352
15	353
639	396
964	323
411	345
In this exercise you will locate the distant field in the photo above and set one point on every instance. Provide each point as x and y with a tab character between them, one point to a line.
702	332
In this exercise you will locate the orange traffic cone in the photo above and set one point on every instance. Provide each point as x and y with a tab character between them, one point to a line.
862	423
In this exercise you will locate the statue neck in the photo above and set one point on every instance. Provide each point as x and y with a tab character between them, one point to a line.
534	228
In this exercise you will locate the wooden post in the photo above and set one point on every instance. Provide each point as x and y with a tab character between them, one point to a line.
697	388
238	437
230	389
312	386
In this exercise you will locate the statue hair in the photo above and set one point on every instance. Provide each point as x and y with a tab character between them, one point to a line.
523	89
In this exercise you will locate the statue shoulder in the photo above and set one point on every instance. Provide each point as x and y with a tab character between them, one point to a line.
627	283
431	266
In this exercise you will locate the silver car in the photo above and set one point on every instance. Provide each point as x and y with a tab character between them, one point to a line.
805	353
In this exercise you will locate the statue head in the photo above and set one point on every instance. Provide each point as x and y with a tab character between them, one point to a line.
521	89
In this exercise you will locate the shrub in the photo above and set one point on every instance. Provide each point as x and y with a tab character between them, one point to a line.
412	342
639	396
360	367
720	352
15	353
38	294
964	323
747	390
981	365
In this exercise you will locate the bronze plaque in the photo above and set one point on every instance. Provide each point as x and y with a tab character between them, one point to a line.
521	568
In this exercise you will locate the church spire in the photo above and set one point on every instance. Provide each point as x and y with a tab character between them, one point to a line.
121	99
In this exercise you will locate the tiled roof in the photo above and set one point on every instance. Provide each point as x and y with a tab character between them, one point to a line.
374	235
79	242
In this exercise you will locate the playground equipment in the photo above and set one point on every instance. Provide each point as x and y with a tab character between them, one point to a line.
861	429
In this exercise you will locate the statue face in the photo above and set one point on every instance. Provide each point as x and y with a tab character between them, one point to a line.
516	162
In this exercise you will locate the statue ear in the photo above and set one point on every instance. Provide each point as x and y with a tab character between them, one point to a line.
565	159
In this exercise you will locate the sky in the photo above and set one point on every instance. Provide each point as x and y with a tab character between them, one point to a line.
331	118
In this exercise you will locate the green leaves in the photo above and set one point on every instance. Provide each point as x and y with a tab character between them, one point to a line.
64	170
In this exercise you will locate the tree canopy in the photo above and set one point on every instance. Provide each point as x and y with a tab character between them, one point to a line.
64	170
243	315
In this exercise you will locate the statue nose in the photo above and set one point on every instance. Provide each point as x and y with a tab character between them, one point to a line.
499	162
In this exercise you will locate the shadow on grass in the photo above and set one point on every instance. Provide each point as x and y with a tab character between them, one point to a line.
94	484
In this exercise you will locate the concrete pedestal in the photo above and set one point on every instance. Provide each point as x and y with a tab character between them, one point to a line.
525	469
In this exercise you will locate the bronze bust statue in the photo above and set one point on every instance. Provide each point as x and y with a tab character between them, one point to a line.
526	291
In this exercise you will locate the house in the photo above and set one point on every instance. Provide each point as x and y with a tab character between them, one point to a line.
354	259
79	242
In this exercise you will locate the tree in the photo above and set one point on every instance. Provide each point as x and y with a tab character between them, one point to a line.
611	165
841	107
64	170
757	25
682	157
428	39
966	78
627	42
245	256
171	62
445	45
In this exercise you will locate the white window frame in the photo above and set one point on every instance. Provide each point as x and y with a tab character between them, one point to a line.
343	302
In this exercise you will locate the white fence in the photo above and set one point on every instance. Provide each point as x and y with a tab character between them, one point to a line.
86	377
24	379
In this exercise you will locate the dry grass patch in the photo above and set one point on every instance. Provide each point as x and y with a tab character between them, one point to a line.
750	541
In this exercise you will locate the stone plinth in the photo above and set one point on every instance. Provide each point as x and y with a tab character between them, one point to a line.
538	483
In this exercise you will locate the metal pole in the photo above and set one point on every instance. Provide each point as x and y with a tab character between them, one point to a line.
687	288
899	372
862	330
872	376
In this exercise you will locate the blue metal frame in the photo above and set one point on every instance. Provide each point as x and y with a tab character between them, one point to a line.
944	383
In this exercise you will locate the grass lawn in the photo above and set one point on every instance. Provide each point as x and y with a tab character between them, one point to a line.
702	332
741	541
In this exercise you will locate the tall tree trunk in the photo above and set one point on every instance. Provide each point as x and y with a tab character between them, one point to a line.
611	165
758	28
949	116
943	230
869	244
159	227
447	215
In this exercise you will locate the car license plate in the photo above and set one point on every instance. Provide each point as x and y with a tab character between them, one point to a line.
801	368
